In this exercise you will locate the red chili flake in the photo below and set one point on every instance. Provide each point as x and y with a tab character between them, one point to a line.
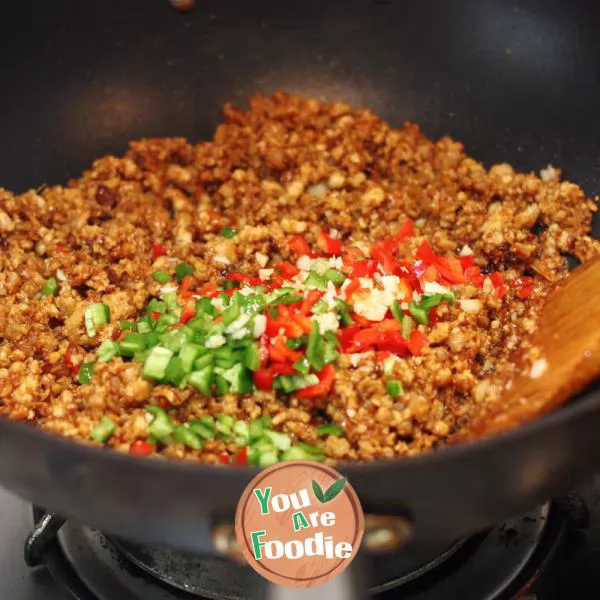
141	448
158	250
224	458
155	315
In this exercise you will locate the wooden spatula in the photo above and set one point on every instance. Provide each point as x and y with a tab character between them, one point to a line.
569	335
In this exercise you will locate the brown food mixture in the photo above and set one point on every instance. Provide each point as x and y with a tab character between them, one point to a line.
95	236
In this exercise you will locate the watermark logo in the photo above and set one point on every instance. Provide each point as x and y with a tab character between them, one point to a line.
299	523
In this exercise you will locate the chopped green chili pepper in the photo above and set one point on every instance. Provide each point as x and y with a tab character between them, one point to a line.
419	314
330	429
407	327
314	280
50	288
397	311
157	362
103	431
182	270
161	276
280	440
293	383
86	370
302	365
175	373
187	437
96	315
230	314
126	325
228	232
202	380
335	276
252	358
161	426
204	306
287	299
394	388
295	343
314	348
107	351
204	429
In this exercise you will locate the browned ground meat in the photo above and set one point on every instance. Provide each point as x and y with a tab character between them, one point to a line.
95	235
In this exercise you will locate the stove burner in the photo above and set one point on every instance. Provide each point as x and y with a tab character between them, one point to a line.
498	564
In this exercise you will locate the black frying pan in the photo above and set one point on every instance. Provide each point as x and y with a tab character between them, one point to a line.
517	81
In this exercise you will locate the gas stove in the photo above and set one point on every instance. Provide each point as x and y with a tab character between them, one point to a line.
550	553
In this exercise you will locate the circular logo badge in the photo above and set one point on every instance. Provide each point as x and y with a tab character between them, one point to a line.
299	523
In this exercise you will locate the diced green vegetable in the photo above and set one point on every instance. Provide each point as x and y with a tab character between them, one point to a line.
241	431
266	459
239	379
86	370
187	437
96	315
315	348
202	380
320	307
314	280
204	428
156	305
252	359
103	431
287	299
205	307
107	351
126	325
396	311
302	365
418	313
394	388
230	314
407	327
388	365
280	440
182	270
228	232
175	373
50	288
161	276
293	383
330	429
161	426
295	343
157	362
335	276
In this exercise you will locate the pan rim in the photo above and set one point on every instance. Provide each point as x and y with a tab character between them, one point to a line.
576	408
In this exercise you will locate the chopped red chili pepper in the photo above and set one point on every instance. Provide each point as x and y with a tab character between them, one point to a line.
242	458
286	269
352	288
311	299
362	268
426	254
290	328
416	342
224	458
498	281
158	251
329	245
299	246
141	448
263	349
69	360
279	352
188	312
263	379
155	315
281	368
450	268
184	288
383	253
346	336
241	278
326	379
406	230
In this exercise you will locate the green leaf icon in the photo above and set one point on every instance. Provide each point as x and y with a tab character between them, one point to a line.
318	491
329	494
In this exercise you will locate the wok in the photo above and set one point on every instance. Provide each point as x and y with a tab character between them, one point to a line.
515	81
